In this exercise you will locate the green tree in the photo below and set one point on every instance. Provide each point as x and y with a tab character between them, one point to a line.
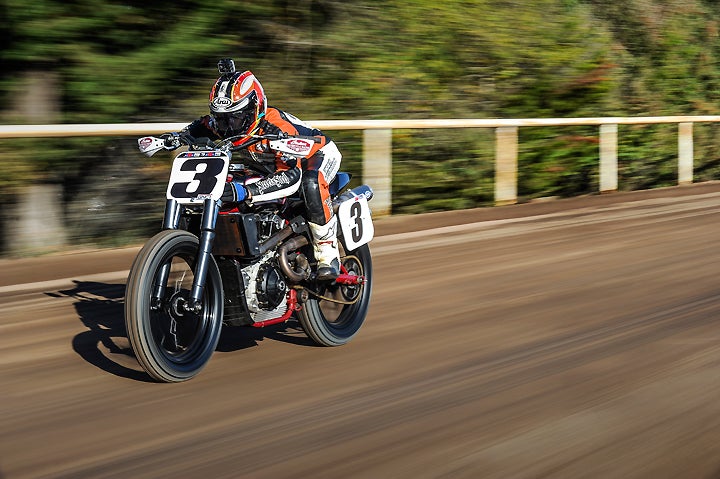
132	61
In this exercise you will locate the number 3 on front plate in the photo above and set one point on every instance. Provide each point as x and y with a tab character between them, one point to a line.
356	222
197	176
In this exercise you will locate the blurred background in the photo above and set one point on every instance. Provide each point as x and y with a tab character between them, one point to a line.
133	61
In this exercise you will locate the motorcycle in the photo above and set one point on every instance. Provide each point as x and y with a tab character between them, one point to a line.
236	264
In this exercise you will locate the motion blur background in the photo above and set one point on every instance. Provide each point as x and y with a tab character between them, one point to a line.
132	61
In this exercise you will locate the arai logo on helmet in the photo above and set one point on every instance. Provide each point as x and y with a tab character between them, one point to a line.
221	102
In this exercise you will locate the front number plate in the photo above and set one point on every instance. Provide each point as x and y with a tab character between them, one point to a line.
198	175
356	222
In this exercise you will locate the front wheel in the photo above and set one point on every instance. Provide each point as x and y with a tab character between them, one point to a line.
334	315
171	343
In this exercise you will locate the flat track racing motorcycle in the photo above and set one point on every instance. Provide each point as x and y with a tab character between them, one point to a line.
240	264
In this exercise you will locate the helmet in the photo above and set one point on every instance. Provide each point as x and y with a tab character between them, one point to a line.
238	103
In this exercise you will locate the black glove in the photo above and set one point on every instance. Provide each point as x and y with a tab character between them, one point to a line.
176	139
172	140
270	129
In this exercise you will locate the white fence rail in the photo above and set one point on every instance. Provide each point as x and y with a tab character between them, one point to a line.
377	144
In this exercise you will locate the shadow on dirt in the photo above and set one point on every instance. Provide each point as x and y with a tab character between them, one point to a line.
104	344
100	307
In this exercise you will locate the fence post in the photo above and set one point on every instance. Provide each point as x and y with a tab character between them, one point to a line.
36	224
608	157
685	153
377	168
506	156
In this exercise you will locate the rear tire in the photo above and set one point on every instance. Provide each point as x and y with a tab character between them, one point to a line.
171	343
333	324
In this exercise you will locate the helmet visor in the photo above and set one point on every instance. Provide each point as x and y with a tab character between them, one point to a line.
233	123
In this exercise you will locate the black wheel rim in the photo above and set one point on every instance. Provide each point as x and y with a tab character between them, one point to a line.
179	335
341	315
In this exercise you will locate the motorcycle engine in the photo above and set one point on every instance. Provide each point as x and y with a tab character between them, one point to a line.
265	287
261	291
271	288
268	223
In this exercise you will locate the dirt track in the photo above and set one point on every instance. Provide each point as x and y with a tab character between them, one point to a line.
574	338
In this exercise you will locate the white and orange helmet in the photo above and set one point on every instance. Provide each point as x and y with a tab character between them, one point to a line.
237	102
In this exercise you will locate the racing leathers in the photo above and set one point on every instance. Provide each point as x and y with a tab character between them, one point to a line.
311	174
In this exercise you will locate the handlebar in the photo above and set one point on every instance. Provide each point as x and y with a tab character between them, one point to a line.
170	141
267	136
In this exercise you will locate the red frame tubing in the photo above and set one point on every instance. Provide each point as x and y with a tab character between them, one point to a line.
292	302
293	306
350	279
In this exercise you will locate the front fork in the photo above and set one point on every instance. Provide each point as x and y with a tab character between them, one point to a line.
207	235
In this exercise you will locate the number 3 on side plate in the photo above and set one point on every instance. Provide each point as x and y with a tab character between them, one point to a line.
356	222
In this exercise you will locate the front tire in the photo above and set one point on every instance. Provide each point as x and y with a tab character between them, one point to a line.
334	324
171	343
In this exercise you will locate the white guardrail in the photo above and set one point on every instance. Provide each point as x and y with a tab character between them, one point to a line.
377	144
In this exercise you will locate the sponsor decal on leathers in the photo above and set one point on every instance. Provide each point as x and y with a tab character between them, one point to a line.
277	181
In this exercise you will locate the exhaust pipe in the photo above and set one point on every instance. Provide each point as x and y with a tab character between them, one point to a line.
291	245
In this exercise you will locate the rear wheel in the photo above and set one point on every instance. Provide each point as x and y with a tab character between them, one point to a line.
335	320
171	343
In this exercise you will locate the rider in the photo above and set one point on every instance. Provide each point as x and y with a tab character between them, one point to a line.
238	106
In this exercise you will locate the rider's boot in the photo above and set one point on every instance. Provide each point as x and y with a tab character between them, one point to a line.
325	247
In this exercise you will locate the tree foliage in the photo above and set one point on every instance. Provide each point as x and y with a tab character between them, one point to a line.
154	60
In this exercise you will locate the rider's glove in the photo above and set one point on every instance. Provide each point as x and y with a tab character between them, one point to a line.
172	140
270	129
234	192
176	139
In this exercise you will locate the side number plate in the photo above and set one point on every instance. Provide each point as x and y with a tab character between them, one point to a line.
196	176
356	222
